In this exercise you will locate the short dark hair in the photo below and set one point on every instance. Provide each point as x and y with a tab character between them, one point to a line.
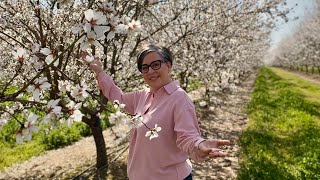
164	52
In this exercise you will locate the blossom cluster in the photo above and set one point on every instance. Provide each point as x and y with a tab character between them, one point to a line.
120	118
97	25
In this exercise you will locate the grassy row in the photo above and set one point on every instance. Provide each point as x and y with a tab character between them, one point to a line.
282	138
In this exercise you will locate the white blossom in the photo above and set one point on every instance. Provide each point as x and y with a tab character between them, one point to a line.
29	127
117	104
53	110
111	34
75	113
97	21
19	137
108	6
153	133
118	118
89	59
20	55
64	86
79	92
90	39
202	103
50	56
3	121
77	29
38	86
135	121
134	25
35	47
212	108
121	28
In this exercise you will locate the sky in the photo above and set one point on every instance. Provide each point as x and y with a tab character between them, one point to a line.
284	29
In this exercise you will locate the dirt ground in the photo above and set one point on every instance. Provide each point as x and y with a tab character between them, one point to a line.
77	161
225	122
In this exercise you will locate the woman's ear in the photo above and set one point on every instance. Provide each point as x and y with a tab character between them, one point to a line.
169	65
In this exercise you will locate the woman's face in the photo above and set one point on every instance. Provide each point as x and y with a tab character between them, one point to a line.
156	78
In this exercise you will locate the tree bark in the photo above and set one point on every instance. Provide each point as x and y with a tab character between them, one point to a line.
95	125
307	68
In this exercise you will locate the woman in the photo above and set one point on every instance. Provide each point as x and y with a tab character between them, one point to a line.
165	105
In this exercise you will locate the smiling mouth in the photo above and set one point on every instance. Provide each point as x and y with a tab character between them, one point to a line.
153	78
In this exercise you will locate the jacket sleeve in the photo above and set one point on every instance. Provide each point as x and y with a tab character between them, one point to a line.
111	91
187	129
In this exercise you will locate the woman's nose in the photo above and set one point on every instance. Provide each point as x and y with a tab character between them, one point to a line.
150	70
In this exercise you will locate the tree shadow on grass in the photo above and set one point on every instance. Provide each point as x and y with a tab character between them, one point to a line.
116	171
267	156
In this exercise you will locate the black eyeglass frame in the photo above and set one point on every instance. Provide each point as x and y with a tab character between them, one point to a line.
150	65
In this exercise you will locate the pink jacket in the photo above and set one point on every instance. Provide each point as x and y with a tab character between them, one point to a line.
164	157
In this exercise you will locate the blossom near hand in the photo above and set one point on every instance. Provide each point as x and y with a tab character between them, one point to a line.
153	133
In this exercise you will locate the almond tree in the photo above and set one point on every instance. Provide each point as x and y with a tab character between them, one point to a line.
225	40
301	49
46	46
50	39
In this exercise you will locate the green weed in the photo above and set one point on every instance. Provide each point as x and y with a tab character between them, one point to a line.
281	140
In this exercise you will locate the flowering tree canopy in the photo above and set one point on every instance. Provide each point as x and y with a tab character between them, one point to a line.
302	48
47	44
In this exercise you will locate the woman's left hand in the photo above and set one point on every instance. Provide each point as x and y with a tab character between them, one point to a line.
96	66
210	148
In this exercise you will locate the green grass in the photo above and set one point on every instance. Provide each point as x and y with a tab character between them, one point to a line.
308	89
11	153
194	84
282	138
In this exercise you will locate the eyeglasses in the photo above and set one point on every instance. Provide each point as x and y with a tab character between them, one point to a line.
155	65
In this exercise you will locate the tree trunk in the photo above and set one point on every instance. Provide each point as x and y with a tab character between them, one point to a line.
95	125
307	69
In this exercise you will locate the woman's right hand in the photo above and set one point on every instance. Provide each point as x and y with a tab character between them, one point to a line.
96	66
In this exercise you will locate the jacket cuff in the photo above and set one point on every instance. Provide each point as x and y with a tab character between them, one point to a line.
97	74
